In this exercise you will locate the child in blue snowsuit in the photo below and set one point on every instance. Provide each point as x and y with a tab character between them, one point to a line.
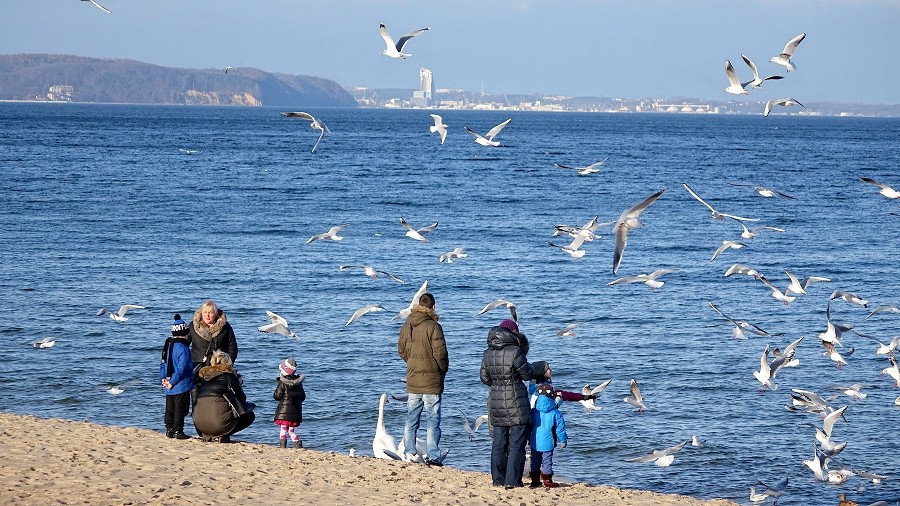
176	373
548	430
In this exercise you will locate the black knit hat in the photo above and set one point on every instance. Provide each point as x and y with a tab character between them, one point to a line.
179	327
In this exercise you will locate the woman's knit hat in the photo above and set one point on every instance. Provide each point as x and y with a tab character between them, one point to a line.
288	367
510	325
179	327
540	369
546	389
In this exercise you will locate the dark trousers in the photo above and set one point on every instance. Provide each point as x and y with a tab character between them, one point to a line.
177	407
508	454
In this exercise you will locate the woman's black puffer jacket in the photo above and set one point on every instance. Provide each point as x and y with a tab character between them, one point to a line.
505	368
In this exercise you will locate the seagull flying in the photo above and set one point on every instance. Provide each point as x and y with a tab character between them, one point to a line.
756	82
416	234
569	331
501	302
278	326
120	315
584	171
405	312
229	68
662	458
750	234
331	235
743	269
102	8
450	256
765	191
315	124
587	390
46	342
740	326
439	127
629	221
799	288
881	309
781	101
784	59
372	272
573	247
635	399
734	87
886	190
363	310
715	214
396	50
488	139
648	279
768	370
849	297
726	245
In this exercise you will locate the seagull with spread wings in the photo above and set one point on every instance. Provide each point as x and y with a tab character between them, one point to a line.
278	325
629	220
315	124
488	138
715	214
396	50
584	171
784	59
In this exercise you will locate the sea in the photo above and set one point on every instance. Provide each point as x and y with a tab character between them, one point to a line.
169	206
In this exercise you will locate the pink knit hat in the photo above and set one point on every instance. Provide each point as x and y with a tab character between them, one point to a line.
288	367
510	325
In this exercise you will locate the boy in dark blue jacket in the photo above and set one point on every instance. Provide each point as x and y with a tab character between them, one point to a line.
176	373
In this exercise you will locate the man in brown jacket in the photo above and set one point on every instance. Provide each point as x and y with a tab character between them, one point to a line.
422	347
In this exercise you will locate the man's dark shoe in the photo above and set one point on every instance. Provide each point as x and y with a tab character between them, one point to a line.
436	463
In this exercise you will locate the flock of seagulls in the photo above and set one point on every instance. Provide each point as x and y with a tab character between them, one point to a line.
736	87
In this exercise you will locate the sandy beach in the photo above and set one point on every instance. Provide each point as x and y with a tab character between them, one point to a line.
66	462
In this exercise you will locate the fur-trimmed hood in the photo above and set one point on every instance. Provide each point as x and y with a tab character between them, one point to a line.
420	313
292	379
211	371
208	332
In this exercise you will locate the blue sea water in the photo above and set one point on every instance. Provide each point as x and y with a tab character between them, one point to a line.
166	207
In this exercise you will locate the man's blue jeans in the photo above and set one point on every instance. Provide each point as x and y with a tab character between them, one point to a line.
431	404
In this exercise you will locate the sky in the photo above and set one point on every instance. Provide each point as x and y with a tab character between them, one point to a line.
603	48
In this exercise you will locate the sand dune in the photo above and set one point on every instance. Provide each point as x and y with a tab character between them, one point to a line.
66	462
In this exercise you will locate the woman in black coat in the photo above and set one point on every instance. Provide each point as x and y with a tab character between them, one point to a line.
213	415
504	369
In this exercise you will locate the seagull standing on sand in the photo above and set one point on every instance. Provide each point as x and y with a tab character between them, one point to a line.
584	171
784	59
396	50
781	101
120	315
315	124
488	139
439	127
886	190
278	326
331	235
629	220
734	87
756	82
102	8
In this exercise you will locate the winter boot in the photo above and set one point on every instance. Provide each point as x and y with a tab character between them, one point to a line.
535	479
282	443
298	444
170	432
179	434
548	481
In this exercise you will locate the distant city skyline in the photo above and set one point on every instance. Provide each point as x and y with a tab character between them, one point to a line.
654	48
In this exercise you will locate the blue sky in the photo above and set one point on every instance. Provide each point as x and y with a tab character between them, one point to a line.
623	48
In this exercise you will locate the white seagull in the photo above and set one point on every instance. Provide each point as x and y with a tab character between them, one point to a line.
396	50
743	269
439	127
833	331
405	312
768	370
629	220
416	234
740	326
573	247
662	458
47	342
726	245
734	87
784	59
715	214
102	8
636	399
569	331
584	171
817	464
786	102
331	235
278	326
882	309
587	390
501	302
893	371
488	139
750	234
765	191
363	310
472	431
778	294
450	256
799	288
648	279
229	68
119	316
849	297
756	82
886	190
371	272
315	124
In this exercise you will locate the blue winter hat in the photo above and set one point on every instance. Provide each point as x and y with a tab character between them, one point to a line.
179	327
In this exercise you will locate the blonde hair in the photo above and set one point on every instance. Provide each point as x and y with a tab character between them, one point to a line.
209	304
219	357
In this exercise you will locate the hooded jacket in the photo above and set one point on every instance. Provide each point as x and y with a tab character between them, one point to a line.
290	396
212	413
549	426
504	369
423	348
205	339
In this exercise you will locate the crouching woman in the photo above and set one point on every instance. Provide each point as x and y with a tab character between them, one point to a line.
220	407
